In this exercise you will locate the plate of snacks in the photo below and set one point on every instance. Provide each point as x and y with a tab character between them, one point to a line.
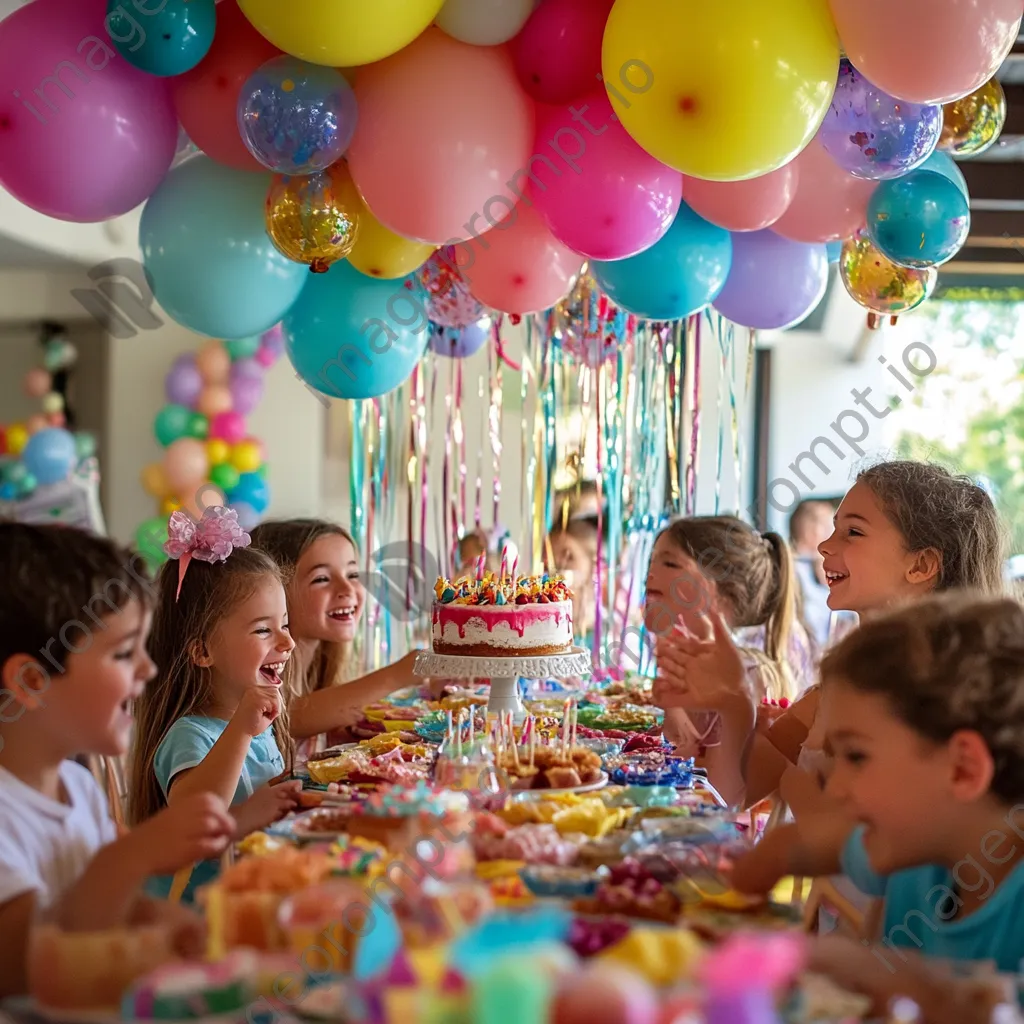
547	769
322	824
550	881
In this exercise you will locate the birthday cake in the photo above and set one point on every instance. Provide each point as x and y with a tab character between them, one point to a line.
502	616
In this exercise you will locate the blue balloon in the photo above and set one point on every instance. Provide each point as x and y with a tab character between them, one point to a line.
460	342
50	455
207	254
248	517
834	250
942	163
353	336
296	118
164	42
680	274
920	220
251	490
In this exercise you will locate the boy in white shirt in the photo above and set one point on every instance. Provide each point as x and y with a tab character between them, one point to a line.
74	616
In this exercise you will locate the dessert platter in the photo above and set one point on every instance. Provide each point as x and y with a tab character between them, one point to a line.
502	627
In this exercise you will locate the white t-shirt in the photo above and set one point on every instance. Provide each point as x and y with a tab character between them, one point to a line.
45	846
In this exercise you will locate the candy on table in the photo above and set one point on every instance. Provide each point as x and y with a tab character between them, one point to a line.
632	891
260	844
534	844
328	919
556	881
193	991
356	855
589	936
664	956
493	589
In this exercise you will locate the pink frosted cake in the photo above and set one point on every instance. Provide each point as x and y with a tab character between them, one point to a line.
502	617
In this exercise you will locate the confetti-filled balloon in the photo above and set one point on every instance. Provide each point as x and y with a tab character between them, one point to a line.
449	302
592	328
972	124
877	283
919	220
296	118
312	219
872	135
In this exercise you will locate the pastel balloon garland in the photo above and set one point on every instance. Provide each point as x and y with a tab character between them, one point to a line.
210	458
40	451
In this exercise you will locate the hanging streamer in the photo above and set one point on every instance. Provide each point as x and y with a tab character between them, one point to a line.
494	424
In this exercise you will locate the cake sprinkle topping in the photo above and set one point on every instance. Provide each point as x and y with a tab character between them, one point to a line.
491	589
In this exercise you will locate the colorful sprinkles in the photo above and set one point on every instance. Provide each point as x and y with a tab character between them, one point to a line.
496	590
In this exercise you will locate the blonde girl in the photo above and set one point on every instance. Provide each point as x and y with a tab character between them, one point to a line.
749	585
214	720
325	604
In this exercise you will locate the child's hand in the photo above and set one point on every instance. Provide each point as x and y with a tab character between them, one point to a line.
257	710
265	806
700	672
194	828
186	928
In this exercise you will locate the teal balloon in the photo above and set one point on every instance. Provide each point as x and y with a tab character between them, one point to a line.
85	445
207	254
352	336
679	275
251	489
166	41
150	537
243	348
942	163
920	220
834	250
172	422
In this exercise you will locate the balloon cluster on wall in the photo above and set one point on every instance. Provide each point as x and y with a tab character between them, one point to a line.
40	451
357	139
209	456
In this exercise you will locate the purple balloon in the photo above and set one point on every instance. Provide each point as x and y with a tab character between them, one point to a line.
273	340
246	369
872	135
184	382
459	342
774	283
246	393
86	136
248	517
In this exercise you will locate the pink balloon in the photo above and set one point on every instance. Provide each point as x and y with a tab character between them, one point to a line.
37	383
85	136
185	465
443	129
749	205
228	426
609	199
829	203
953	48
519	267
558	52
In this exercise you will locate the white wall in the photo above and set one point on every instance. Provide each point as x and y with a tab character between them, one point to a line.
811	397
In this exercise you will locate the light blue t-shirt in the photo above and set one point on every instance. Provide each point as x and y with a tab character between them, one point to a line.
185	746
921	905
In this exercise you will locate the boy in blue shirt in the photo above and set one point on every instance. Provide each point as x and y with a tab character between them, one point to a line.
925	804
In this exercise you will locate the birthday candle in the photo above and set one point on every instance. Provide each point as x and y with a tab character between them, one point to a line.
565	723
472	724
450	734
504	563
481	561
575	718
458	734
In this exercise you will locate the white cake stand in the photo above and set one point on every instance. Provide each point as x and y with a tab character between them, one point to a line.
504	673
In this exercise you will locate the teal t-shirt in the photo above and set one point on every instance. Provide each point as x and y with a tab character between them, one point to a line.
921	905
187	742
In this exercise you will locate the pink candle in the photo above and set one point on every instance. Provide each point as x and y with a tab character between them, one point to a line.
504	564
480	568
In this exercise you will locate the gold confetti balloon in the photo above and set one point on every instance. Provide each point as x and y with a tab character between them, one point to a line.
972	124
314	218
880	285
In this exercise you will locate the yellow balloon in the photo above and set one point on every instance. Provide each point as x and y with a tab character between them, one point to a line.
721	94
154	480
246	457
169	505
341	33
217	451
313	218
17	438
379	252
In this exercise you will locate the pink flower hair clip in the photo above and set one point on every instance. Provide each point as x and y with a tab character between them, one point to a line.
212	539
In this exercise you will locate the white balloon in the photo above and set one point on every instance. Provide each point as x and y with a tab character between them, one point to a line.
484	22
